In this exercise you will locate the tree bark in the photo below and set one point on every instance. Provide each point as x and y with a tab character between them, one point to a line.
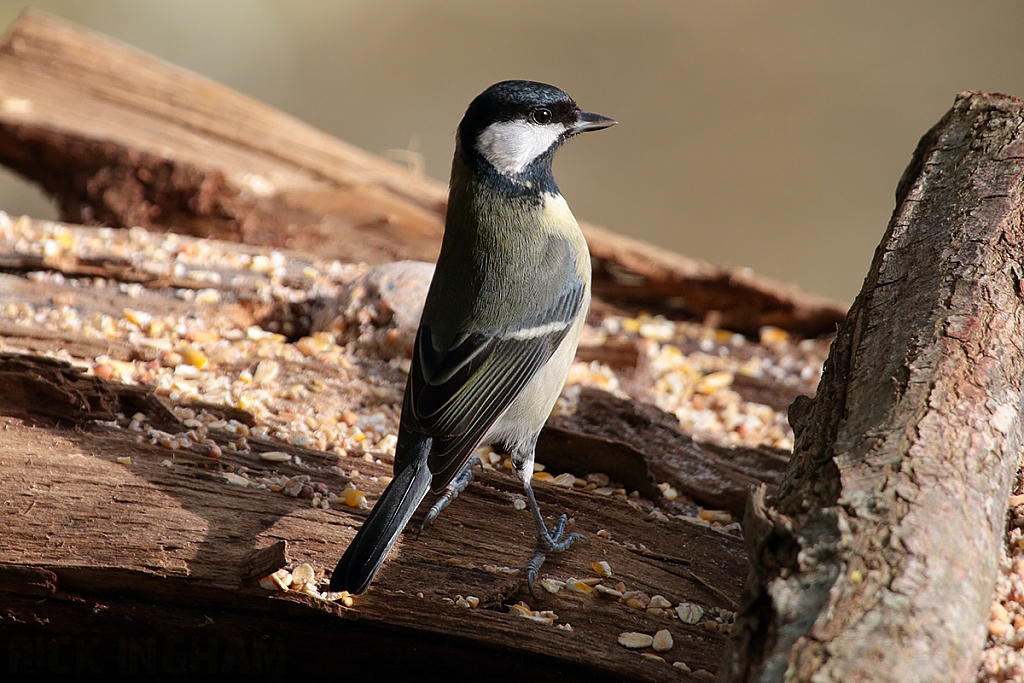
879	559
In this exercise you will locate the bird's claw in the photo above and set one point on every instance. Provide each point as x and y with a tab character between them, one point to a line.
553	540
533	570
434	511
457	486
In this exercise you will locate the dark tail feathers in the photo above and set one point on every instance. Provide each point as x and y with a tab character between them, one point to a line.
396	506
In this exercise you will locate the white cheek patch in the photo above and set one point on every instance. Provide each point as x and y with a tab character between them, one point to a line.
511	146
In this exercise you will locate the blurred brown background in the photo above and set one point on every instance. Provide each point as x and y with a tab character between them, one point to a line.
769	135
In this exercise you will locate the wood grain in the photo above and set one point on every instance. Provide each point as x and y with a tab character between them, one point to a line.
85	529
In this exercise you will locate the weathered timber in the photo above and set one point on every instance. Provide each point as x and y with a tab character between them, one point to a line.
879	559
161	541
150	144
638	444
134	547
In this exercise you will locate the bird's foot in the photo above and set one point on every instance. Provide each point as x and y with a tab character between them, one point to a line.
553	540
457	486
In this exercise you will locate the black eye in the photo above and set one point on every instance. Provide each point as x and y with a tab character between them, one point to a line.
541	116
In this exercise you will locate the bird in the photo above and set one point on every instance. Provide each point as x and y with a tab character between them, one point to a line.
500	324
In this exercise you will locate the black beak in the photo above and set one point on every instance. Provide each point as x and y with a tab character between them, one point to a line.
586	121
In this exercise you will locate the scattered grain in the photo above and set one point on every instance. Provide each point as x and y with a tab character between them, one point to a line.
275	456
689	613
634	640
236	479
578	586
662	641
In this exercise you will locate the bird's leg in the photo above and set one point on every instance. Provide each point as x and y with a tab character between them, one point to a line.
551	540
458	485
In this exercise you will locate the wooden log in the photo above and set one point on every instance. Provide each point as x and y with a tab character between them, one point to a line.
639	445
155	538
148	557
879	559
146	143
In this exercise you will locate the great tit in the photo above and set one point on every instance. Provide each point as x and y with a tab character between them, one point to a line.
501	320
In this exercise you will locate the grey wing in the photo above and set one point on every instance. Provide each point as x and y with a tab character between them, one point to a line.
455	394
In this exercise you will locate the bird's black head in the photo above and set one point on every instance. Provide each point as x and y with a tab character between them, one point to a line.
514	127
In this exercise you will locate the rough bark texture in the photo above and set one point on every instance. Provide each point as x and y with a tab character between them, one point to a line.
878	561
146	143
